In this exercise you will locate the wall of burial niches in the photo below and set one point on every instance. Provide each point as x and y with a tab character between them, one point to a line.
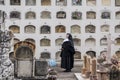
46	22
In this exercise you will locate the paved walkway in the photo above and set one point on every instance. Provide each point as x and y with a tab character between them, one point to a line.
67	75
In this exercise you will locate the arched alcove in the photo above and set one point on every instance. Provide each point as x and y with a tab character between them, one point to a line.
117	40
75	29
45	55
76	15
77	2
91	15
90	29
103	53
61	15
118	55
30	2
105	28
106	2
117	29
15	2
15	15
2	2
16	40
30	15
57	55
45	42
91	2
60	29
45	15
45	2
105	15
45	29
59	41
77	55
61	2
117	2
90	42
77	42
30	40
103	41
92	54
14	28
24	52
117	15
29	29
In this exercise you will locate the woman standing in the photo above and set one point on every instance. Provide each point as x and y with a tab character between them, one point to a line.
67	53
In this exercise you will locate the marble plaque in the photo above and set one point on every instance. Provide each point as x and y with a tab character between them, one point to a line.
24	69
41	68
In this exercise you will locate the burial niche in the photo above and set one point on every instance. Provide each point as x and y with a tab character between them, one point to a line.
45	55
45	2
14	28
76	15
77	42
103	52
105	15
2	2
57	55
15	15
91	15
117	40
30	2
75	29
29	29
77	2
59	41
30	15
117	29
11	57
30	40
61	15
61	2
45	29
117	15
15	2
103	42
90	42
91	2
90	29
118	55
105	28
60	29
77	55
92	54
117	2
45	15
24	53
106	2
16	40
45	42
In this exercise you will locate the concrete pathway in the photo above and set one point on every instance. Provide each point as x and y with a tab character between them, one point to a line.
67	75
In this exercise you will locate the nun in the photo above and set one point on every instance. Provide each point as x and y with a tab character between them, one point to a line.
67	53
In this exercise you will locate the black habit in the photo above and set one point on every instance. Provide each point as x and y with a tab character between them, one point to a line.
67	55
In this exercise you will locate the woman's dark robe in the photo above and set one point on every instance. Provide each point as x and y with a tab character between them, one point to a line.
67	55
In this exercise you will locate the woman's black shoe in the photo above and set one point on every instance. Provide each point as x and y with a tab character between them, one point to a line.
67	71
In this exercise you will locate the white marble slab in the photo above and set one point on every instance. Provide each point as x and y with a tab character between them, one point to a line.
79	76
